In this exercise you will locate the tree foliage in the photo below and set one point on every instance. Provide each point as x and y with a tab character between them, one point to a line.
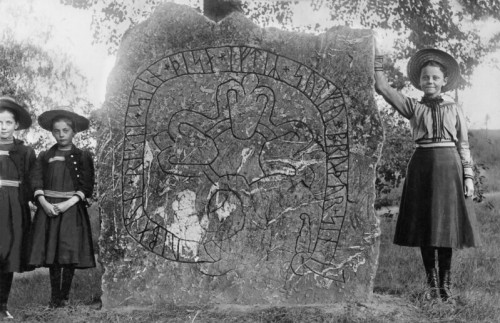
446	24
397	150
40	80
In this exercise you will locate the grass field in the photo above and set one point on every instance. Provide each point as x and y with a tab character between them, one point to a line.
476	272
399	283
476	277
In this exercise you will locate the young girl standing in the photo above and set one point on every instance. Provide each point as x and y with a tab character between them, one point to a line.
16	161
435	212
62	178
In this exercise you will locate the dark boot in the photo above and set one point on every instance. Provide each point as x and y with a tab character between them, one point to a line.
444	259
55	286
432	282
445	285
429	259
5	286
4	313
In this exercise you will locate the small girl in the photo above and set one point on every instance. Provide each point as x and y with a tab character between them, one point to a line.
16	161
62	178
435	212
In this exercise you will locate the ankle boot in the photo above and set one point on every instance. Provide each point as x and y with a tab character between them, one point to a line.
55	300
432	282
444	261
445	285
4	313
5	286
429	259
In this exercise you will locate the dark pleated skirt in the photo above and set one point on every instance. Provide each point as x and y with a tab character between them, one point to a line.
434	211
15	219
62	240
14	229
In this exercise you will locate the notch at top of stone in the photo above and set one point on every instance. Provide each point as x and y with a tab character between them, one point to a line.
217	10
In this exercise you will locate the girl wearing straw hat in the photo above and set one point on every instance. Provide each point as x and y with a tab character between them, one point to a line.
62	178
435	212
16	161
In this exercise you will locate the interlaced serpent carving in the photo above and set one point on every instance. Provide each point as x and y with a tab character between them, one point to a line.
235	138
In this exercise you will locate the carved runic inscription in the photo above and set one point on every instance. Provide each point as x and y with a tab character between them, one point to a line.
224	141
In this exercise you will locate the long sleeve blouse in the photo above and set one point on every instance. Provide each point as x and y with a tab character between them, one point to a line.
452	124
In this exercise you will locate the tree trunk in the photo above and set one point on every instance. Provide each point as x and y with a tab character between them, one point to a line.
218	9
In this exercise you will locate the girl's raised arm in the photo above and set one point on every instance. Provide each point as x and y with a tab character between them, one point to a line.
397	100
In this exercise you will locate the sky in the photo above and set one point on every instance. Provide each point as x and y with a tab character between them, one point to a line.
72	34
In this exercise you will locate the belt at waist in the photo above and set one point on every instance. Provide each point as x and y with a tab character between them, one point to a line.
435	144
6	182
61	195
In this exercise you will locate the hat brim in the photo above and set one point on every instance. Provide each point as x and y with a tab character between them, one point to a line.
430	54
80	123
23	116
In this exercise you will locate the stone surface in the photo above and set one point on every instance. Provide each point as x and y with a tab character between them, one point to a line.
237	164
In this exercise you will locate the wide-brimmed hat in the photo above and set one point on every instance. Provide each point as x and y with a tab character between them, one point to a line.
23	116
80	122
430	54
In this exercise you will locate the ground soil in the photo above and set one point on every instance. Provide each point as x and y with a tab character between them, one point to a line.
380	308
383	308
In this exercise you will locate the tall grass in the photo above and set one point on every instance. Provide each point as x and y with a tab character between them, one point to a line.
492	175
30	292
476	285
485	148
475	272
476	279
33	288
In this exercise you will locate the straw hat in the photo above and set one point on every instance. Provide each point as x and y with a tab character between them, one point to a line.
80	122
430	54
22	114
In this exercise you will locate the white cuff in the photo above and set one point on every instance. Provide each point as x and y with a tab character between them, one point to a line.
80	195
468	172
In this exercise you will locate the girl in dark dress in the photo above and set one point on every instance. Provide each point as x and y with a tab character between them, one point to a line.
62	178
16	161
435	213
